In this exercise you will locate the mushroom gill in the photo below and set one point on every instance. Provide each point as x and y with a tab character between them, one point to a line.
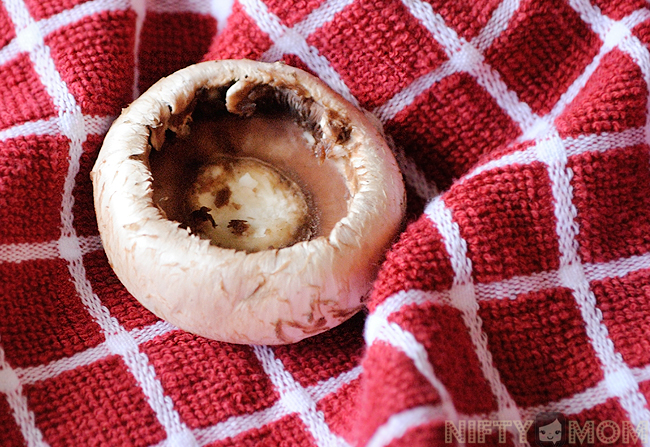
246	202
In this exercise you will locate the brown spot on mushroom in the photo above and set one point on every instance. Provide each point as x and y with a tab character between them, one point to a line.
322	150
344	314
238	226
138	157
308	329
135	226
279	332
156	136
338	128
223	197
315	326
344	133
197	218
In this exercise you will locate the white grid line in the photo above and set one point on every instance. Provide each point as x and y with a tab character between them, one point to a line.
617	374
13	44
11	387
466	57
641	374
574	146
296	399
220	10
290	41
463	297
35	374
77	13
22	43
636	18
379	329
435	24
529	122
531	126
408	94
509	289
10	51
575	404
592	16
237	425
331	385
396	302
639	53
40	127
618	268
15	253
233	426
294	41
398	424
614	35
71	122
497	24
320	16
48	250
148	333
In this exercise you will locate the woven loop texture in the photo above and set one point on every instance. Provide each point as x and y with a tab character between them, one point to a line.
519	286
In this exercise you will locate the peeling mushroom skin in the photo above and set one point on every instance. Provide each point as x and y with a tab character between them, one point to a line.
163	141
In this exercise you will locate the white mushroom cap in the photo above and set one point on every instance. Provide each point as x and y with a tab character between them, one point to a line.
270	296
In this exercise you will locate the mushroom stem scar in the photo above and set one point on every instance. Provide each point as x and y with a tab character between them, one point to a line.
250	206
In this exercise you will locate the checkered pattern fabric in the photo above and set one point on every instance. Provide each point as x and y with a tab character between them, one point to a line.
520	284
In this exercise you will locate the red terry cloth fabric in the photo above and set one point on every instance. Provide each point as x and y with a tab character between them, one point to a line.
521	284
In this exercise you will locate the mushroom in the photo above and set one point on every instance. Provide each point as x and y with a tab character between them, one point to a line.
246	202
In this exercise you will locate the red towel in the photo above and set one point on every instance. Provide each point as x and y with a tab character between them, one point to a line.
520	286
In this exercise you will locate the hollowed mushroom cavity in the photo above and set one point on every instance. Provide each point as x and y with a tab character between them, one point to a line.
246	202
250	171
